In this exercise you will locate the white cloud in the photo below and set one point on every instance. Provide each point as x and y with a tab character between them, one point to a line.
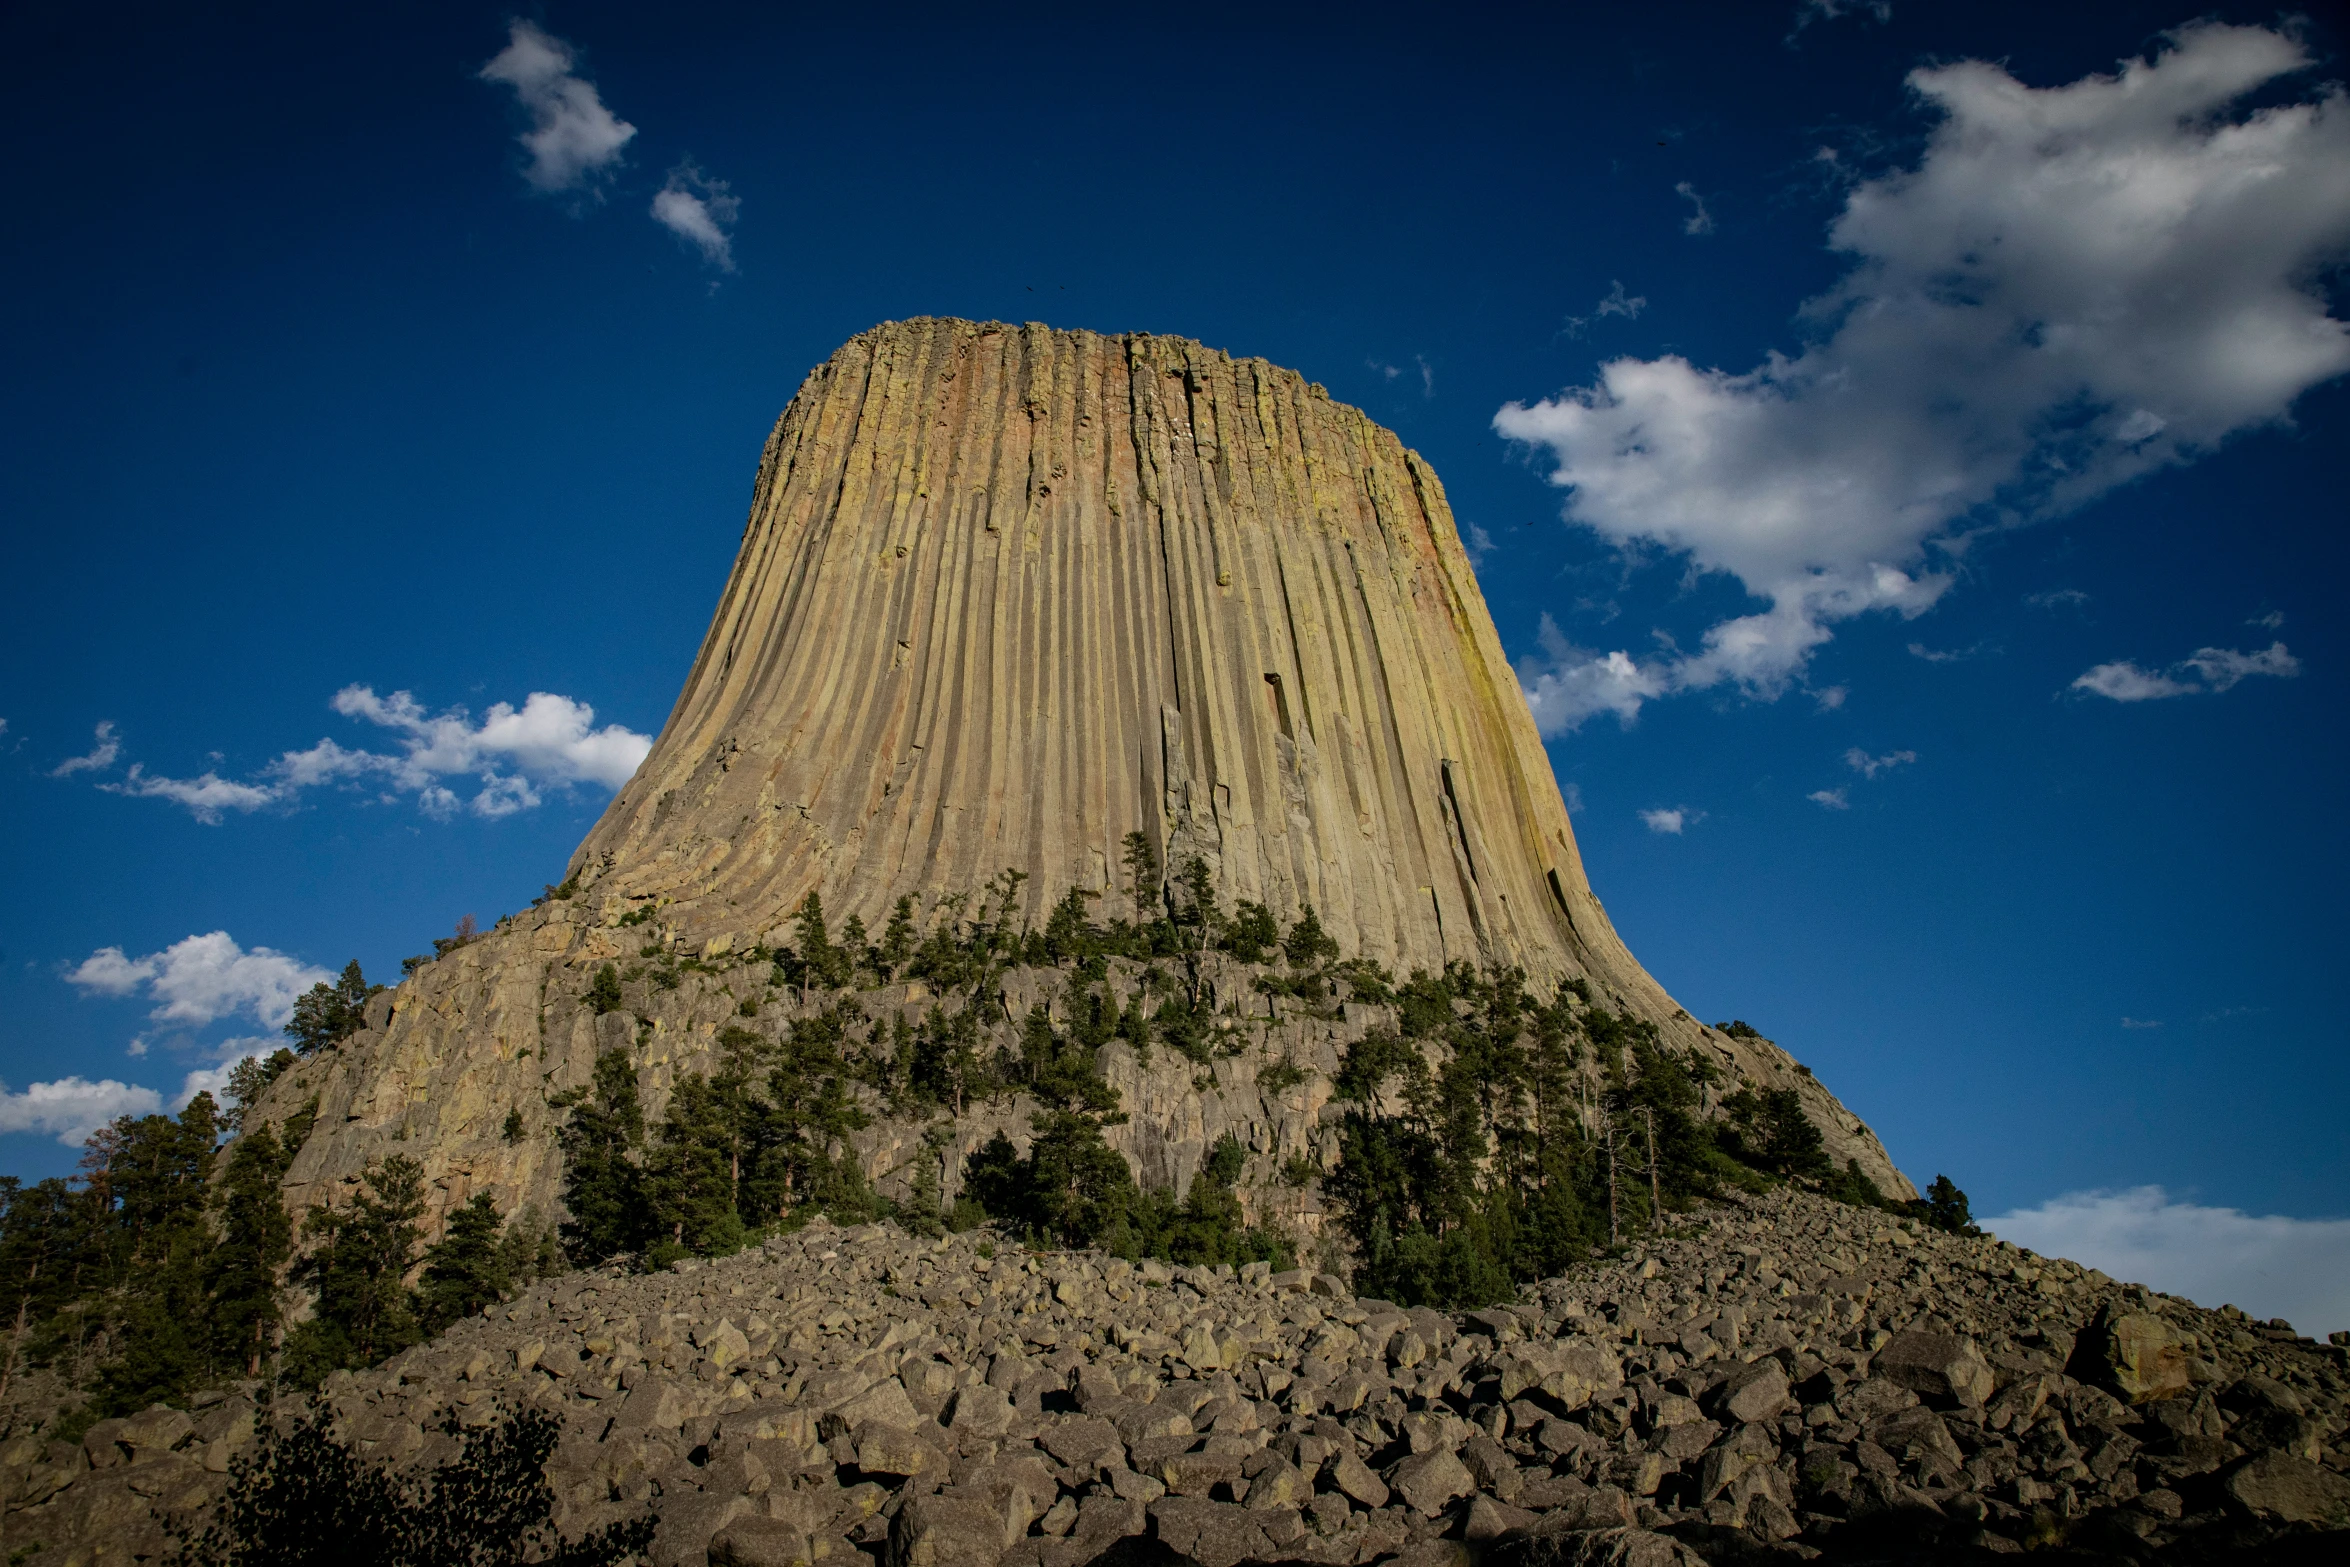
1572	794
549	742
206	796
1831	698
1565	684
2057	598
550	739
100	757
573	139
1833	799
73	1107
2141	1022
2298	1269
1699	221
2222	667
2209	669
202	979
1478	543
2126	682
699	209
1673	821
2268	622
2075	286
1869	766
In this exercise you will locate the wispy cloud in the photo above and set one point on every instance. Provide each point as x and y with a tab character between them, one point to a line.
513	753
99	758
73	1107
206	795
2271	1266
700	211
1672	821
1811	11
2210	669
1869	766
1700	221
2268	622
1833	799
1958	655
2141	1022
573	140
202	979
1617	303
2057	598
2073	287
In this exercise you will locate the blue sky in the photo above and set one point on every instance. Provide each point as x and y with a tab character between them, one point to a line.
1904	458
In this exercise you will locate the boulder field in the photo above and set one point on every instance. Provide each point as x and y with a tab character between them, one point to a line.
1780	1376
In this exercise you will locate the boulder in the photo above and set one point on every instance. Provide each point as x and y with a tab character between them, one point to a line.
1428	1481
980	1412
1213	1534
2134	1353
896	1451
761	1542
1756	1391
884	1403
2271	1415
940	1531
1938	1366
1356	1480
2290	1490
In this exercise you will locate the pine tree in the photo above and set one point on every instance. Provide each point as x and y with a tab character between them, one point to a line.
363	1310
1945	1208
157	1170
241	1275
1308	943
1144	879
465	1269
326	1015
603	1183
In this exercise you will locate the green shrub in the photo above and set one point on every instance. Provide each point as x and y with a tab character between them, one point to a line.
603	993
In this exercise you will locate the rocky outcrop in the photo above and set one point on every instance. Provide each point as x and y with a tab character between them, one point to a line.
1006	595
498	1028
1788	1372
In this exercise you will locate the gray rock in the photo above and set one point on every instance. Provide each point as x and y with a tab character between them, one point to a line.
2290	1490
1355	1478
1428	1481
938	1531
1940	1366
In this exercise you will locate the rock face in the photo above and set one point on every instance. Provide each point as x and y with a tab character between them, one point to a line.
1778	1374
1006	595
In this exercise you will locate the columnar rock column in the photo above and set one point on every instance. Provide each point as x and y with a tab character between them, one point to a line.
1008	594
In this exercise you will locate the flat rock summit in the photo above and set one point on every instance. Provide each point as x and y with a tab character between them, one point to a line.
1101	743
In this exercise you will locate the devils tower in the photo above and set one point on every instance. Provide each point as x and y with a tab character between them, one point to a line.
1008	595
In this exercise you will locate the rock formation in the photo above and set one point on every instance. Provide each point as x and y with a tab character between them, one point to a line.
1006	595
1788	1372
